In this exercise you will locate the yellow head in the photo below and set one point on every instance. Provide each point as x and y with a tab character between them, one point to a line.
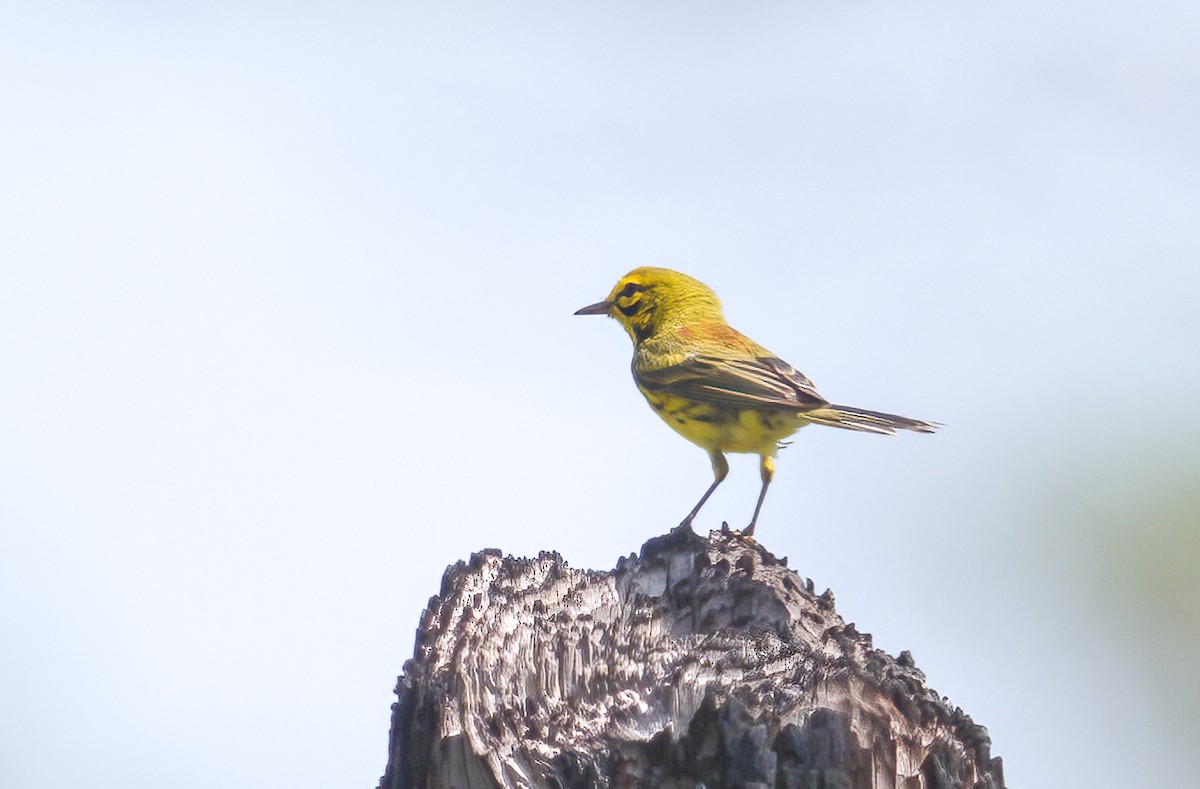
646	300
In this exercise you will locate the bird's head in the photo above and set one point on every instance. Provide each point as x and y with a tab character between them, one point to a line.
647	300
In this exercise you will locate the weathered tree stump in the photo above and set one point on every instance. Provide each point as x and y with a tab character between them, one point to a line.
698	663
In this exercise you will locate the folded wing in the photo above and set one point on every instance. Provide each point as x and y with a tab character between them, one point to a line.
738	383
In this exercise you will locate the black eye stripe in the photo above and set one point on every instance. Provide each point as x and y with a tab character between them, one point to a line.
630	289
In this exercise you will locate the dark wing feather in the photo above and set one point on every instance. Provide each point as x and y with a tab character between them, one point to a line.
739	383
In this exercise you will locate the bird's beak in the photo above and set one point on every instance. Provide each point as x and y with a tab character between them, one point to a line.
599	308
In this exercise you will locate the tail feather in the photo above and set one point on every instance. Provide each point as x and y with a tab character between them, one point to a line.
850	418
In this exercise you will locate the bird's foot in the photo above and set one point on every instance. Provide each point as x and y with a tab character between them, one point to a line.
685	526
747	535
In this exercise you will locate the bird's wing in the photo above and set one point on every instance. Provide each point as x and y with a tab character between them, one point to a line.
740	383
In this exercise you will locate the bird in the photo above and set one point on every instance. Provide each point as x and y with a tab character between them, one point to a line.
714	385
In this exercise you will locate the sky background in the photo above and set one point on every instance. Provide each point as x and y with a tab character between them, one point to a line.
285	329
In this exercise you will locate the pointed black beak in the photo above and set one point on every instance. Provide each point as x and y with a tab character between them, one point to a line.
599	308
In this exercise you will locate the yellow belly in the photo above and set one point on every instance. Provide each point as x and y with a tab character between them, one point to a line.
725	429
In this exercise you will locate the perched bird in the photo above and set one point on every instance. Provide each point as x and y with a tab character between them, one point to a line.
715	386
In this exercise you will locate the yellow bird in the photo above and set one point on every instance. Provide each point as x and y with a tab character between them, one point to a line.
715	386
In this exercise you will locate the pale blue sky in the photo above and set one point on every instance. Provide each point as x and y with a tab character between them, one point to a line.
285	325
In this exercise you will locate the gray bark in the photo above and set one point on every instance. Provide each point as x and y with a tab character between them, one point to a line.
698	663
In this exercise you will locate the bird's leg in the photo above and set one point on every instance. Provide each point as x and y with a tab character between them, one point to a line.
767	469
720	471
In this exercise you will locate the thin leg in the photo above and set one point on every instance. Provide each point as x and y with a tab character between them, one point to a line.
767	469
720	471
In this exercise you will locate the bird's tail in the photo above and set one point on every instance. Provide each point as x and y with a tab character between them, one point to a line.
851	418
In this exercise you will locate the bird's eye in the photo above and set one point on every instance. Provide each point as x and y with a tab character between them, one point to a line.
629	299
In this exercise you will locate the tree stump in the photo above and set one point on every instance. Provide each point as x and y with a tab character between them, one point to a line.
697	663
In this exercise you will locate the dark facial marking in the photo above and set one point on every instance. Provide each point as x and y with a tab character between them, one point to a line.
630	289
630	293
